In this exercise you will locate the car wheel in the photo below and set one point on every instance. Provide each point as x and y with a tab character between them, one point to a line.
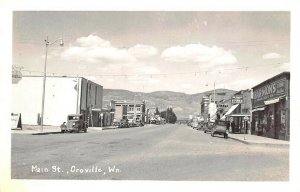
85	130
225	136
212	135
62	131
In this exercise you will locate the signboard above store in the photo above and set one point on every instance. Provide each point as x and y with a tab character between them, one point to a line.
268	91
237	99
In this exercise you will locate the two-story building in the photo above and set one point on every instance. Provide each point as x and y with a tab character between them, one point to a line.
130	110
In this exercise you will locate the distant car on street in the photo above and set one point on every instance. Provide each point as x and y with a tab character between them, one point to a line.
123	123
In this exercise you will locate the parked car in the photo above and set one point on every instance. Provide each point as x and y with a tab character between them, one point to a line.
75	123
194	124
209	127
220	130
123	123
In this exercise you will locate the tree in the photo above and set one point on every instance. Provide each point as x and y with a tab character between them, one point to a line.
157	111
169	115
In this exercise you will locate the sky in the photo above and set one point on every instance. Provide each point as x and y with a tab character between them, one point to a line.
153	51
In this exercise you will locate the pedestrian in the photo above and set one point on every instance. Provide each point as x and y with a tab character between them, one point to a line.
63	125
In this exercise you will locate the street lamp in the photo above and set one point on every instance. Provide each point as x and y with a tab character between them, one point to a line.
47	43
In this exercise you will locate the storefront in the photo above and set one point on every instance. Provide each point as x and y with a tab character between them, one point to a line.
238	116
271	106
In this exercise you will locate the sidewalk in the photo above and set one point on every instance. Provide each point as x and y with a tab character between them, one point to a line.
257	140
36	130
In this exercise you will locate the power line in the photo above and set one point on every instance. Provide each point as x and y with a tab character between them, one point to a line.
164	75
232	43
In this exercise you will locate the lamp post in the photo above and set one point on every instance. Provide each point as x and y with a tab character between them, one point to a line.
47	43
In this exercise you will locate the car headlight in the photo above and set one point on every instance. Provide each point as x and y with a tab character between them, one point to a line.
73	124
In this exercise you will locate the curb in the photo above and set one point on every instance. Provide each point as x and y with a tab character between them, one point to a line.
45	133
253	143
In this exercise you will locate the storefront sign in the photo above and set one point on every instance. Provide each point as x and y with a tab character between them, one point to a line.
237	99
269	91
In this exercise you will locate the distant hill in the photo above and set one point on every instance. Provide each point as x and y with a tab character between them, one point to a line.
182	104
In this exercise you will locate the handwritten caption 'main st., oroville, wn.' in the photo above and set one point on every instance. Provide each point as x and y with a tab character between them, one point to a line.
74	169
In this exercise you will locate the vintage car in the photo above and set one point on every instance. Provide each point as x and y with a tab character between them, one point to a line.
220	129
209	127
123	123
75	123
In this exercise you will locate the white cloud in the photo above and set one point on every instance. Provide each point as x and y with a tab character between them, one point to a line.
198	53
94	49
142	51
272	56
92	40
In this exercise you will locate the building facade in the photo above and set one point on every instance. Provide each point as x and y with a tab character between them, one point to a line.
130	110
63	96
271	107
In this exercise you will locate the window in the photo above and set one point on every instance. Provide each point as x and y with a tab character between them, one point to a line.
130	108
138	109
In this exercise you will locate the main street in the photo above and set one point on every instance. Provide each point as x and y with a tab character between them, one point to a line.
155	152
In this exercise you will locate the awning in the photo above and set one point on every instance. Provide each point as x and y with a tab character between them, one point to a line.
258	109
232	108
269	102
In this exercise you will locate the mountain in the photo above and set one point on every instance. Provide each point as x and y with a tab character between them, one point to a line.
182	104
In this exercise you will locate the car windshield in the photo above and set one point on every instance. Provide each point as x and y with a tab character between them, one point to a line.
73	117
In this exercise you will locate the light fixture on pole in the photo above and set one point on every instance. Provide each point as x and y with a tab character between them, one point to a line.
47	43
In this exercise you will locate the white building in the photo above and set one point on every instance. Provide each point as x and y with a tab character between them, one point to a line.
63	96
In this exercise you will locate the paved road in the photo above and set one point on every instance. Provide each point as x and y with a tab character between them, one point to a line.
165	152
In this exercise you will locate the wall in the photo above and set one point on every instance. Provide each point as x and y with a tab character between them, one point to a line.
91	94
60	99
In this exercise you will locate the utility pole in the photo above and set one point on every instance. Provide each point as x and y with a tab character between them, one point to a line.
44	79
214	93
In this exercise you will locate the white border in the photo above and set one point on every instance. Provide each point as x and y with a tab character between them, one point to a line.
6	9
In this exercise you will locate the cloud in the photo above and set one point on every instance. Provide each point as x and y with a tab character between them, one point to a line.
198	53
272	56
92	40
94	49
142	51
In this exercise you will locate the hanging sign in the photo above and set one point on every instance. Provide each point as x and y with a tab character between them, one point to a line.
237	99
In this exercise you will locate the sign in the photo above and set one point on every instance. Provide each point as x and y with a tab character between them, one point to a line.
268	91
237	99
16	121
